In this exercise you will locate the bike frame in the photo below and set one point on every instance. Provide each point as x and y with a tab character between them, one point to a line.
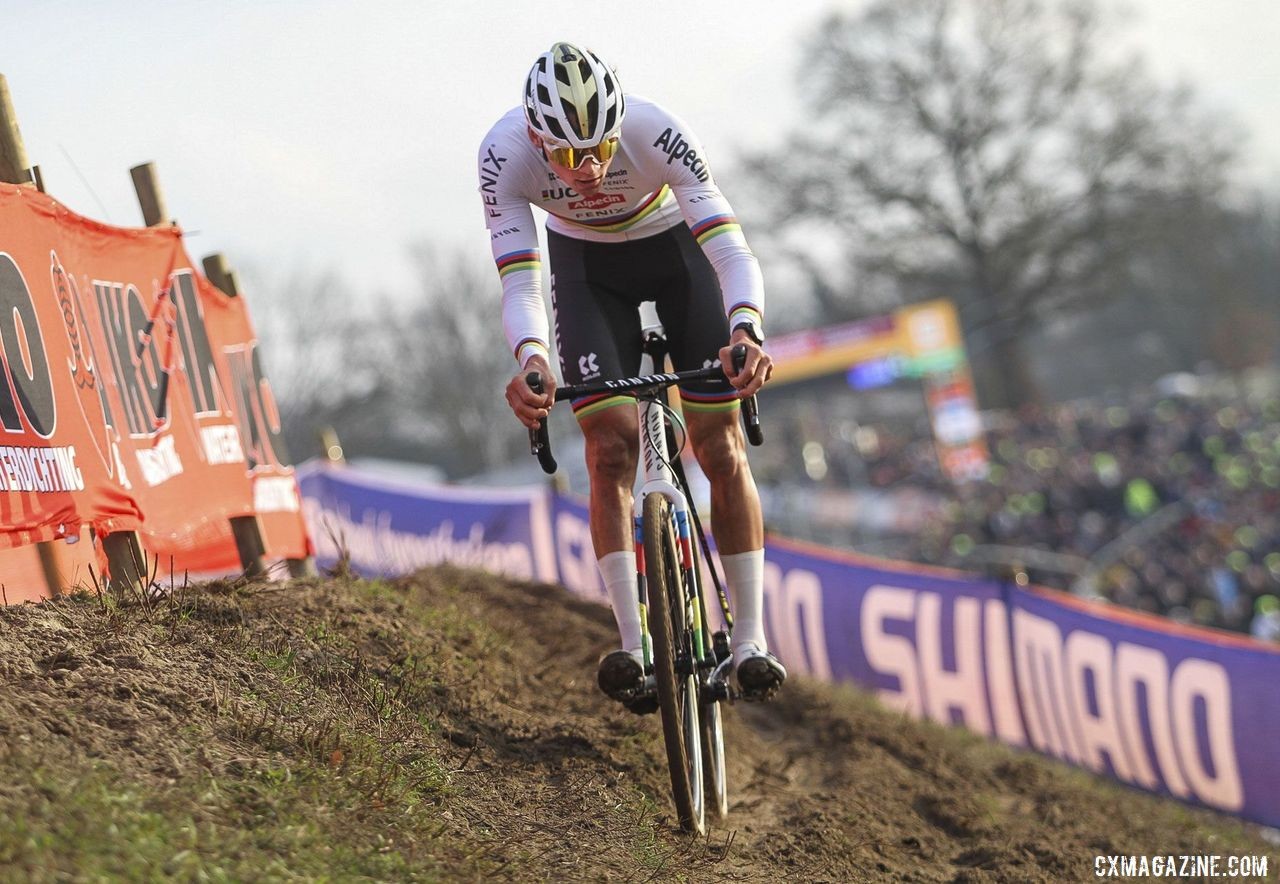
659	478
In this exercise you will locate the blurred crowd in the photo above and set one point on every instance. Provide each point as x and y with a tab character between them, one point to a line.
1168	504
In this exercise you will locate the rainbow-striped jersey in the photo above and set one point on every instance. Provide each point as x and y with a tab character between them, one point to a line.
658	178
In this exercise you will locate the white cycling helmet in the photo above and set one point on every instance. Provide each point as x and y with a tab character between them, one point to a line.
572	98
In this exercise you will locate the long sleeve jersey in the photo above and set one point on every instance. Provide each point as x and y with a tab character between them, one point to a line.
658	178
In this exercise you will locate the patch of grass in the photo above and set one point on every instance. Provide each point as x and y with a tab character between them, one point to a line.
638	816
268	824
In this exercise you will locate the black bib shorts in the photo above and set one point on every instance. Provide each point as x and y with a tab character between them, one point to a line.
596	292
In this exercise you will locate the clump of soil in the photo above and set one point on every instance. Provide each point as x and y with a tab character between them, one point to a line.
447	726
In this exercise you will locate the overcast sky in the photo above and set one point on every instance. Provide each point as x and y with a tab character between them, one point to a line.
330	133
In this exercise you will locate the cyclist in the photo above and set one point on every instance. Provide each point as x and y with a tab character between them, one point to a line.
633	215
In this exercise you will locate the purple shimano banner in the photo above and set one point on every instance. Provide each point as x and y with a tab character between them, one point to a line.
389	527
1182	712
1188	713
930	643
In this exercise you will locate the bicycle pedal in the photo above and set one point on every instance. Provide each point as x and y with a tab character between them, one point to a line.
716	692
642	705
720	645
760	695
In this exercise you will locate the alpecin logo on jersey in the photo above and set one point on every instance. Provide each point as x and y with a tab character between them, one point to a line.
676	148
601	201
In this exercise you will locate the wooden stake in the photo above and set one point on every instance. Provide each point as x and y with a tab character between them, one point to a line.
51	565
247	530
125	560
253	552
147	185
219	271
13	154
304	567
332	447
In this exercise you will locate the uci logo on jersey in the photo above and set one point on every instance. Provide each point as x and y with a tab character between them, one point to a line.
675	147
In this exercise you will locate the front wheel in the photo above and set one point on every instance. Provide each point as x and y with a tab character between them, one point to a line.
678	698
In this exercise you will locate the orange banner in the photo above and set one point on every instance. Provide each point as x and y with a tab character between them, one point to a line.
94	431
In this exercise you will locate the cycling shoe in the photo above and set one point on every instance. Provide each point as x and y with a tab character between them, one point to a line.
621	677
760	674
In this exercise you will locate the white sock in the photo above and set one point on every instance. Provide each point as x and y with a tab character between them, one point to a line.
618	570
744	573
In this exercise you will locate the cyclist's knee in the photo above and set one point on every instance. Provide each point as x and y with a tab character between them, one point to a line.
719	450
613	445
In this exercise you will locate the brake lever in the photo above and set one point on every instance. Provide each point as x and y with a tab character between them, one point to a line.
540	439
750	407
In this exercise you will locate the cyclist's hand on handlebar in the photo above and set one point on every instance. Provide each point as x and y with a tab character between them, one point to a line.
755	371
530	407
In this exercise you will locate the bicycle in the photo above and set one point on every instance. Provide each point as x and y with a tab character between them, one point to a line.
686	665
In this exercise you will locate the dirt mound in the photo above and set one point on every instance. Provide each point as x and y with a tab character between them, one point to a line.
446	727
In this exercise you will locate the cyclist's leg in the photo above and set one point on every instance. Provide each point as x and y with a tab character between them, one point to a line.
697	328
693	316
738	526
597	335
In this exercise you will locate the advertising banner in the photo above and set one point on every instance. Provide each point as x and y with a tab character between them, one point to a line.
1185	712
1181	711
919	341
385	528
134	397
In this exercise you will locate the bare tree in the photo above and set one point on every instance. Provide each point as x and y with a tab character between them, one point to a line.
417	379
987	150
321	353
303	323
451	365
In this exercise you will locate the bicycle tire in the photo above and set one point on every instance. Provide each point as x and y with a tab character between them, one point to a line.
676	701
710	719
711	723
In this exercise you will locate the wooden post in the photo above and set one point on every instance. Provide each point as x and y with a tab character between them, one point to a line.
125	560
219	271
332	447
16	169
247	530
304	567
253	552
150	197
13	154
51	565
